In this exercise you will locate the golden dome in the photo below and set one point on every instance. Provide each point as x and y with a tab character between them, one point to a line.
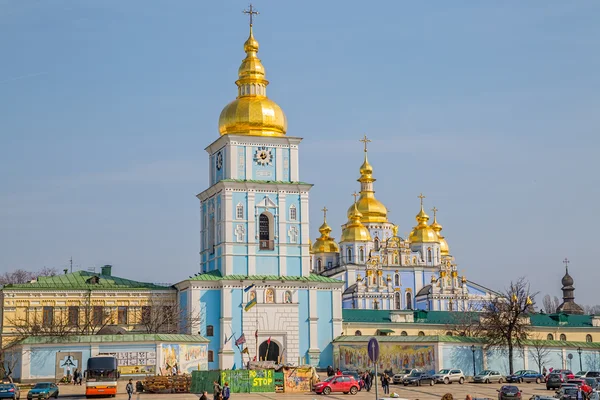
423	233
372	210
355	231
252	112
444	249
325	243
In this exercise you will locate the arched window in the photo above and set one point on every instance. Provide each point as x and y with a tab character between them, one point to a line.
263	227
396	258
397	304
421	333
239	211
429	259
408	301
376	304
270	296
358	333
376	244
449	333
210	330
293	214
287	297
211	356
319	265
414	260
374	280
588	338
550	337
361	254
349	252
397	279
403	333
450	305
563	337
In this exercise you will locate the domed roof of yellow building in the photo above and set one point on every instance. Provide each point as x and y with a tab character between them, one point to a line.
355	231
325	243
252	112
423	233
444	249
372	210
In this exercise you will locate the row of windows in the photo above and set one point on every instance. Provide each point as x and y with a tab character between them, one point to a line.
292	213
270	296
403	333
397	301
100	315
563	337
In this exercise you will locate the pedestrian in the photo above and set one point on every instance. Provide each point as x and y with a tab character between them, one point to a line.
469	397
216	390
385	383
75	376
447	396
330	371
368	381
338	372
544	371
129	389
580	394
204	395
226	391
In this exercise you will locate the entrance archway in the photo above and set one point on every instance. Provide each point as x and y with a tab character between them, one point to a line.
268	351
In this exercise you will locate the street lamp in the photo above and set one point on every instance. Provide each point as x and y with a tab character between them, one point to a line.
473	351
580	365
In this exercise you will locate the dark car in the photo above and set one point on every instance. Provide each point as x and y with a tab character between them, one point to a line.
418	379
567	393
554	380
43	390
525	376
9	391
352	373
509	392
592	382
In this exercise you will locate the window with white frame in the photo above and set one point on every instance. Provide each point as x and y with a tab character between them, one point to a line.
293	213
239	211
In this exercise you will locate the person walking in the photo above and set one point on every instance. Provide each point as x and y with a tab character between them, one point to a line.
129	389
216	390
368	381
330	371
226	391
544	371
385	383
75	376
204	395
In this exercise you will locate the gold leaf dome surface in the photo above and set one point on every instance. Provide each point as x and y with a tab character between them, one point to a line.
252	112
355	231
423	233
372	210
325	243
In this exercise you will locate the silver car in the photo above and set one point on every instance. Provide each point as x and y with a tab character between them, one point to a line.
403	373
447	376
488	376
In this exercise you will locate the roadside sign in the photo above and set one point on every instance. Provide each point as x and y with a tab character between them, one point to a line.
373	350
570	356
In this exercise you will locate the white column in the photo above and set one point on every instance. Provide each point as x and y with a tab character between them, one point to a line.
337	312
25	363
294	173
313	319
231	171
227	231
283	232
438	356
226	351
193	309
304	234
249	162
279	164
252	239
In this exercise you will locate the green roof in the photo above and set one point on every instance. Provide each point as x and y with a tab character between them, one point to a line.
216	276
456	317
83	280
135	337
385	330
259	181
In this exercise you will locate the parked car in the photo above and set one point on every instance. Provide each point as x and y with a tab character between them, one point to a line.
403	373
9	391
525	375
418	379
554	380
587	374
567	372
582	384
354	374
509	392
592	382
540	397
43	390
488	376
447	376
567	393
340	383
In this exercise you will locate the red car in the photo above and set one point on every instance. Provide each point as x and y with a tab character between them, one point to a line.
569	374
340	383
585	388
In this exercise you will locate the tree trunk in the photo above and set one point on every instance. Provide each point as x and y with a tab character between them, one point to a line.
510	358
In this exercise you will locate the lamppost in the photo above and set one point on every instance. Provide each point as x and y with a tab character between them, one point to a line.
580	364
473	351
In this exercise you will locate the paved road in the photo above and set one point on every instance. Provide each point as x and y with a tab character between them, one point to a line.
422	393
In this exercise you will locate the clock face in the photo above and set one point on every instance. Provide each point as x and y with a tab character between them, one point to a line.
219	160
263	156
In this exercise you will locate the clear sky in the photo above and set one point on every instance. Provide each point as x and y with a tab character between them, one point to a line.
488	108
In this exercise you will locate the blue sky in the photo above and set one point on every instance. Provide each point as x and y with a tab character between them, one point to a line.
488	108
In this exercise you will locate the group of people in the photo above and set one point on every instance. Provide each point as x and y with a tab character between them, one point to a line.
76	378
219	393
366	379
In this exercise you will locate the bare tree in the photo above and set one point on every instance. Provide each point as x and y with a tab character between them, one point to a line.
550	304
162	315
465	323
23	276
540	352
591	310
504	320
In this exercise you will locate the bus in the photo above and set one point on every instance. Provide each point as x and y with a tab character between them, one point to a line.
101	376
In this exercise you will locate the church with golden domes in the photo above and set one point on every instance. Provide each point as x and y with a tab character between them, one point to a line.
384	271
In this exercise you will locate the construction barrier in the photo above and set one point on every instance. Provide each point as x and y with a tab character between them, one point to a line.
202	381
299	379
249	381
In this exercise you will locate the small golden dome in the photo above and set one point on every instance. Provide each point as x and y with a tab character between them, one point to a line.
423	233
325	243
442	274
358	278
389	278
433	278
454	274
444	249
355	231
464	279
252	112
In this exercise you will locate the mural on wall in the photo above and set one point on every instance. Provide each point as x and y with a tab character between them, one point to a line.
391	356
184	358
135	362
67	363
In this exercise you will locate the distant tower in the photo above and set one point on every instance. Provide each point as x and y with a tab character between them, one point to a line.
568	305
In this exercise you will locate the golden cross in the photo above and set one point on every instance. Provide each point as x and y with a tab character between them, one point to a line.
421	197
435	210
365	140
324	209
251	12
355	196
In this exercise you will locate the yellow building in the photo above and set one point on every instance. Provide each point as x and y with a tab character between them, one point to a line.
86	303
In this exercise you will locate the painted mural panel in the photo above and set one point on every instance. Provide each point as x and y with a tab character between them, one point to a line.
185	358
135	362
391	356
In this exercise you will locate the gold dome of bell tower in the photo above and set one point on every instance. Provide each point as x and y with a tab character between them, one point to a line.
372	210
423	233
252	112
325	243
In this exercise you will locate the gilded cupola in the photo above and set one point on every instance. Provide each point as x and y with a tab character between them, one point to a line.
355	231
423	233
252	112
444	249
372	210
325	243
